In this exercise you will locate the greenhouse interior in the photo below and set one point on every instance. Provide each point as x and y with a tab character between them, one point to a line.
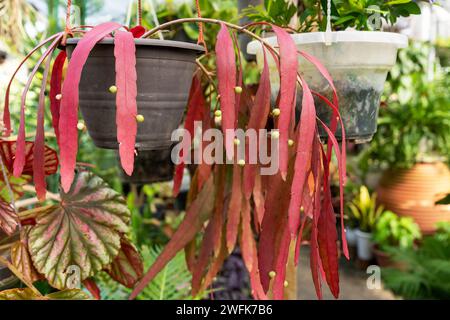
305	154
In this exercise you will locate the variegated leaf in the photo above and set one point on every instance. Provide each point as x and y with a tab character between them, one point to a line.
83	231
8	218
20	257
69	294
28	294
127	268
8	154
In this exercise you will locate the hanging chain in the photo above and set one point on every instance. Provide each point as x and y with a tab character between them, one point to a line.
68	29
140	12
329	14
201	38
328	29
69	8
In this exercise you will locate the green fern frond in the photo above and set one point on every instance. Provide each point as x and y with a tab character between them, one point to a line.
427	272
172	283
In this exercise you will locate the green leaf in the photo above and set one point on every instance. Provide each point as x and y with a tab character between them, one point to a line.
343	19
172	283
334	11
390	3
84	230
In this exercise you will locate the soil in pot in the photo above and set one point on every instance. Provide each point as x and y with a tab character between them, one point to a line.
414	192
151	166
164	73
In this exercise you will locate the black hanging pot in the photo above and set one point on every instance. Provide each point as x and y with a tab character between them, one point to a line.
164	73
151	166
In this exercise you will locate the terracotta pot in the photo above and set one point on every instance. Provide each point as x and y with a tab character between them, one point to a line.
413	193
164	74
384	260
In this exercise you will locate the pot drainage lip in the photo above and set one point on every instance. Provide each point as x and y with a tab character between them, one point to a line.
151	42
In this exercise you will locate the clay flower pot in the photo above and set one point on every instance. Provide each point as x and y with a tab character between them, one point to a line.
413	192
384	260
164	74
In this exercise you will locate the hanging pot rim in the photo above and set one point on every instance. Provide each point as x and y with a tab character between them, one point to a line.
379	37
149	42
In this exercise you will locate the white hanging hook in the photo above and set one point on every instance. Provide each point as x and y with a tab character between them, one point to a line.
328	29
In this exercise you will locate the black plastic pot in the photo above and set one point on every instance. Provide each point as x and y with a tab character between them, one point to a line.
151	166
164	74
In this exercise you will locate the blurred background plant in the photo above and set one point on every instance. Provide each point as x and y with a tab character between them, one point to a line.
311	14
364	210
427	268
394	231
414	123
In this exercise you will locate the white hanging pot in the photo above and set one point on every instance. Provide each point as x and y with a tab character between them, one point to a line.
364	245
358	62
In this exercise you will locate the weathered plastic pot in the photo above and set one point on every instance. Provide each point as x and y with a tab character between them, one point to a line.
151	166
358	62
164	74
